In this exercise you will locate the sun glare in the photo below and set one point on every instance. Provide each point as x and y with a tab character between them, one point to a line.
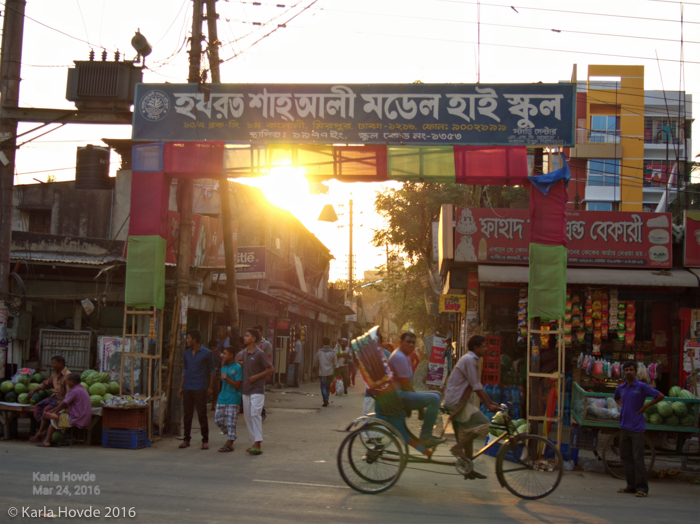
286	187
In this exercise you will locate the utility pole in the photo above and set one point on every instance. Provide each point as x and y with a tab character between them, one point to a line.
185	191
226	211
350	274
10	68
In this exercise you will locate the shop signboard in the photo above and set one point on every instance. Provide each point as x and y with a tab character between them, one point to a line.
453	303
207	240
254	259
691	244
595	238
406	114
437	370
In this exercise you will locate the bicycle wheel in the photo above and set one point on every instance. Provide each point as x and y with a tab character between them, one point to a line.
529	466
371	465
613	462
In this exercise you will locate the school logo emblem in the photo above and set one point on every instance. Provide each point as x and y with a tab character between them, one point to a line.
155	105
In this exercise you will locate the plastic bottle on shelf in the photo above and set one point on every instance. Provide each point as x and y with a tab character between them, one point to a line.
496	395
488	389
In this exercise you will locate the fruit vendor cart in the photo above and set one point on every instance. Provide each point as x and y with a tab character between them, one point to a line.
598	413
9	411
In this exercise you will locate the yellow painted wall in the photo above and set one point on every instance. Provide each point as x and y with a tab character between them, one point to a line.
629	104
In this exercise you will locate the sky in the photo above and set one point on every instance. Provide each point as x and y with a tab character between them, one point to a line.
348	41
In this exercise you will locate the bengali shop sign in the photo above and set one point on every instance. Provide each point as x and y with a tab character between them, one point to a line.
595	238
207	240
691	247
419	114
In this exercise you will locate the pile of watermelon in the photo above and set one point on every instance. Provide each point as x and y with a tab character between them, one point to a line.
672	411
19	392
498	424
99	387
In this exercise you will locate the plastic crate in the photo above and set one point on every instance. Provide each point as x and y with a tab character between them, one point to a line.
125	438
493	354
491	378
493	343
584	438
132	418
491	365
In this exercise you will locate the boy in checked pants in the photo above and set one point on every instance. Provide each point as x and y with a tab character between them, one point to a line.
229	401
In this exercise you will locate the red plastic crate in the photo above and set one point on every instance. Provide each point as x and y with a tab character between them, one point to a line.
491	378
131	418
493	343
492	366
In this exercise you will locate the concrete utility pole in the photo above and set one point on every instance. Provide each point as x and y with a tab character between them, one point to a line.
185	191
10	66
226	212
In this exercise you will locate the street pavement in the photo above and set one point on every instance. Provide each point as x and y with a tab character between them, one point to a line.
296	480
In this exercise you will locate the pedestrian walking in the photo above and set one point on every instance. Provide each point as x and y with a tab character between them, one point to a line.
342	357
298	358
256	368
324	359
631	395
230	398
198	371
265	346
216	381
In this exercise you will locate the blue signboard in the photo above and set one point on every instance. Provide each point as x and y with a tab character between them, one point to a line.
253	260
416	114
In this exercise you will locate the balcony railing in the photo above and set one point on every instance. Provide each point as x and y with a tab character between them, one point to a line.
585	136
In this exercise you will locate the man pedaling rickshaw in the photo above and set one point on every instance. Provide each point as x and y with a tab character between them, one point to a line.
467	420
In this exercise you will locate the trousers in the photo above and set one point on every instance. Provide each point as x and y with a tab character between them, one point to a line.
632	456
342	372
190	401
430	401
252	412
325	387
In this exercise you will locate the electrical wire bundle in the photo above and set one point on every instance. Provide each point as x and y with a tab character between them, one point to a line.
376	373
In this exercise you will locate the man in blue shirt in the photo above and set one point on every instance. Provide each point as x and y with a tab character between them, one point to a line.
198	371
631	395
403	379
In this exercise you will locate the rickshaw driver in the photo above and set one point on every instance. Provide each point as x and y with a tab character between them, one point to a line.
428	403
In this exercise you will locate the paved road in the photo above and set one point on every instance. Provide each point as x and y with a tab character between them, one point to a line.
296	480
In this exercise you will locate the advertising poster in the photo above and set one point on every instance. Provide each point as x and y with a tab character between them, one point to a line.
453	303
594	238
691	247
437	370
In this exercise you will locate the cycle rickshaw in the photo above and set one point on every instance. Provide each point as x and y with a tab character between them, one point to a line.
378	448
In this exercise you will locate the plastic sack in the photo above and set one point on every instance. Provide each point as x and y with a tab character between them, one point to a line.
589	366
642	372
597	368
339	388
579	362
24	375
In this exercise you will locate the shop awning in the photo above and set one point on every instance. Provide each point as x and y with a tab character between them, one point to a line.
613	277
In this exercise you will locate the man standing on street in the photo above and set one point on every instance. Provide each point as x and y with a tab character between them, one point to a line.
631	395
342	357
325	361
256	368
198	372
298	359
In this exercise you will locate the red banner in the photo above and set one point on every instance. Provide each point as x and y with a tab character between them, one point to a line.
691	247
595	238
207	240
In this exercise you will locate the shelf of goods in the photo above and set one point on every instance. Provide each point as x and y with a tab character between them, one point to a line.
601	411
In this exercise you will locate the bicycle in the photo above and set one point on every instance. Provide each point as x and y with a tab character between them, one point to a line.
376	452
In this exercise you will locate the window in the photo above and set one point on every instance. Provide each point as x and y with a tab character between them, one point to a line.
599	206
603	172
660	130
605	129
40	221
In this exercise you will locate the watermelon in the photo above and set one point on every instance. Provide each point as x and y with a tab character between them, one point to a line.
646	416
664	408
655	419
114	388
687	394
521	429
38	378
36	398
106	396
688	420
672	421
674	392
680	409
84	384
11	396
651	410
20	388
58	437
104	378
98	389
24	379
85	374
7	386
23	398
498	418
95	401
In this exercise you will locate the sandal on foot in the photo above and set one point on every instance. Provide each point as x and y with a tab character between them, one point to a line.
641	494
184	445
254	451
625	490
225	449
205	445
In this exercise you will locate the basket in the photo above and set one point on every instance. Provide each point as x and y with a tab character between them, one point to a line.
133	418
125	438
582	438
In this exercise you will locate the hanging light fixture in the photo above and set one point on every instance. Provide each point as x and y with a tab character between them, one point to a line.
328	214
